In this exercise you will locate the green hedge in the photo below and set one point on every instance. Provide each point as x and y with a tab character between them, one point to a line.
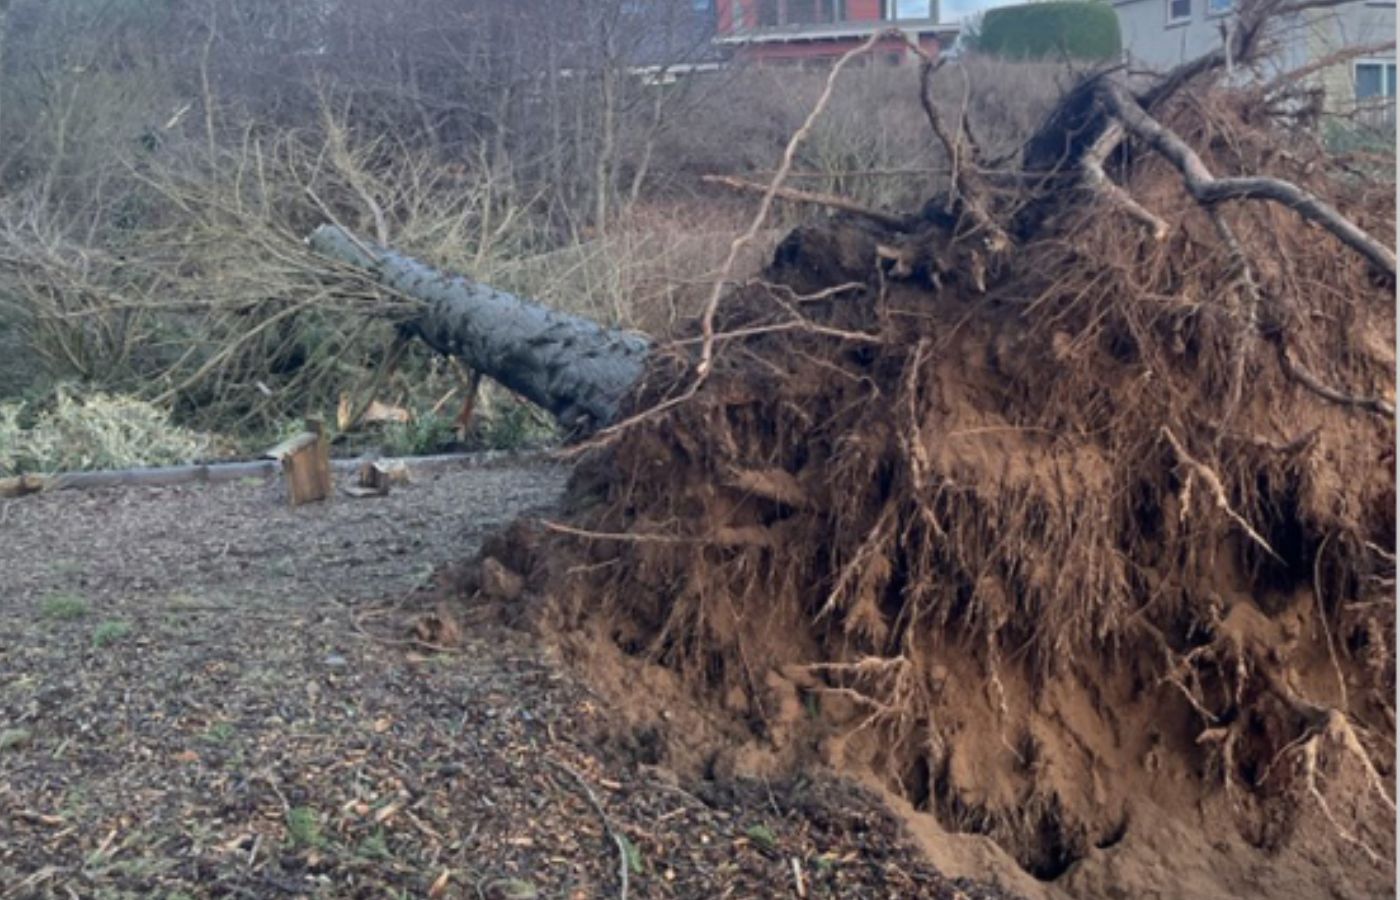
1080	29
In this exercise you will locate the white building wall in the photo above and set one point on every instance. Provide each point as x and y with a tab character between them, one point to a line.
1152	42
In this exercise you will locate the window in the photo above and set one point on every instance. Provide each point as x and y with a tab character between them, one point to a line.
1375	80
800	12
909	9
1178	11
1218	7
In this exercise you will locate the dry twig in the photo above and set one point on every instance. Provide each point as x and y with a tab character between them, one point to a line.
622	861
831	201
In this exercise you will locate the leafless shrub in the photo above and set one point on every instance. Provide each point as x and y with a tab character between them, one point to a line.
159	171
872	144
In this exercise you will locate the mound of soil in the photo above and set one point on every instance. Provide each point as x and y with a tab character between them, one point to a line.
1055	545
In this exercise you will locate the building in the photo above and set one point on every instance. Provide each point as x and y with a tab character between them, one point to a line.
768	31
1159	34
670	39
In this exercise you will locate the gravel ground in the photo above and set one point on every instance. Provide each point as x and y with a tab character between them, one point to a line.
189	707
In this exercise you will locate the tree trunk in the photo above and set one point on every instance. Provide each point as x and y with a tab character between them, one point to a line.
571	366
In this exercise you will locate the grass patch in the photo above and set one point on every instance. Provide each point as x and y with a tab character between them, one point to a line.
423	436
13	739
633	853
763	836
64	607
304	827
219	733
374	847
109	632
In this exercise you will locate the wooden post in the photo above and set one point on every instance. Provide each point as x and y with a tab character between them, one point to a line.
306	463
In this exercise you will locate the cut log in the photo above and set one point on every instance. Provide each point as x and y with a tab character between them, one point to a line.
574	367
376	477
21	485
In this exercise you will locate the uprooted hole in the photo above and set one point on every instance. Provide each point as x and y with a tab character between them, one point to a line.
1287	534
1057	850
1044	843
917	783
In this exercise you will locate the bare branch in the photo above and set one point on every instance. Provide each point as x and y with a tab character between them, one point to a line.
831	201
1322	62
962	155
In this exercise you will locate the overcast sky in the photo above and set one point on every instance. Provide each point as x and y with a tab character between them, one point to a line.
951	10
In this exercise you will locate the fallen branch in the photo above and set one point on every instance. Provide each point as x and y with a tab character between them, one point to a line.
575	368
1209	190
622	861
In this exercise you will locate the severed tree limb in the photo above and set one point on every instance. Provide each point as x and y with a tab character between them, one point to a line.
1098	182
1209	190
831	201
574	367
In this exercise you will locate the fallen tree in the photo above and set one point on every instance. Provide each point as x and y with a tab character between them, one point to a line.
573	367
1028	507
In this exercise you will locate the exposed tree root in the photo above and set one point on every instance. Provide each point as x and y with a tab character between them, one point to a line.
1209	190
1217	491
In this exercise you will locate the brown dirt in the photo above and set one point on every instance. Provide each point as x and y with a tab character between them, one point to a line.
1049	547
189	709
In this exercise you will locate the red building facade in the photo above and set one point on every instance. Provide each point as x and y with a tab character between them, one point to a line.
798	30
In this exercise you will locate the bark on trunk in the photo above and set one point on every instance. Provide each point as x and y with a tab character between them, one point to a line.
571	366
